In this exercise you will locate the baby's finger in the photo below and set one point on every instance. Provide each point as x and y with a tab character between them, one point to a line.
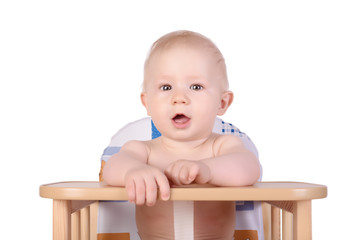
130	190
173	173
194	172
168	170
184	176
164	187
140	192
151	192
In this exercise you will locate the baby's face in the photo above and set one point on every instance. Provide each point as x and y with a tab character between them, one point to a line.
184	92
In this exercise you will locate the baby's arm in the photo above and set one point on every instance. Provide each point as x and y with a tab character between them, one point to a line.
233	165
129	168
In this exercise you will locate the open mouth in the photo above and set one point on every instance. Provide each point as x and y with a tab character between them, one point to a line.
181	120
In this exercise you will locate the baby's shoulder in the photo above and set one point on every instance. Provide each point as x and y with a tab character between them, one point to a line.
226	138
226	141
136	146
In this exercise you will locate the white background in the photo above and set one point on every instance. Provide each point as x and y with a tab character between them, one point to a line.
71	74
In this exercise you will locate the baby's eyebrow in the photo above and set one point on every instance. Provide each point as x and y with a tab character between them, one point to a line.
195	77
165	77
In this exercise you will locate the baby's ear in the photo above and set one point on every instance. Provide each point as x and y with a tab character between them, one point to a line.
143	98
226	100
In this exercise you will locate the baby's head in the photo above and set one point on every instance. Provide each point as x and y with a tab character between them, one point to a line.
187	40
185	85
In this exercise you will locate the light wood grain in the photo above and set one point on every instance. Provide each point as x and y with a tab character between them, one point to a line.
76	204
262	191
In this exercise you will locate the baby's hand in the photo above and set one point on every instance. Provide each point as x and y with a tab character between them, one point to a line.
142	185
183	172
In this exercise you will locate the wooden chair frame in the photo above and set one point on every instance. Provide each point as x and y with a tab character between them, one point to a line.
75	205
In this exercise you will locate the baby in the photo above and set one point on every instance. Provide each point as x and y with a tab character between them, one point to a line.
185	87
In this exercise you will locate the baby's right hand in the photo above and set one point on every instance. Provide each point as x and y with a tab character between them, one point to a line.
142	185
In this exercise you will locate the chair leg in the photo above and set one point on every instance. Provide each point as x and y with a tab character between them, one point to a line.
302	220
61	219
275	223
287	225
266	212
94	211
85	223
75	225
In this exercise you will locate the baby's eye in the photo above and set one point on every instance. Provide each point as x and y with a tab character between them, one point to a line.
196	87
165	88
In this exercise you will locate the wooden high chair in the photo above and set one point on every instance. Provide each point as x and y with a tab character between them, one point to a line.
75	206
78	204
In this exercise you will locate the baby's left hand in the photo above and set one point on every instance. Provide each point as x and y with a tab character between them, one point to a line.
182	172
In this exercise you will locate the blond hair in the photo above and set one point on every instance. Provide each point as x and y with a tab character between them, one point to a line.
187	38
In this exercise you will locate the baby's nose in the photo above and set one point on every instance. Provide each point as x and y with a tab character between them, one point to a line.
180	98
